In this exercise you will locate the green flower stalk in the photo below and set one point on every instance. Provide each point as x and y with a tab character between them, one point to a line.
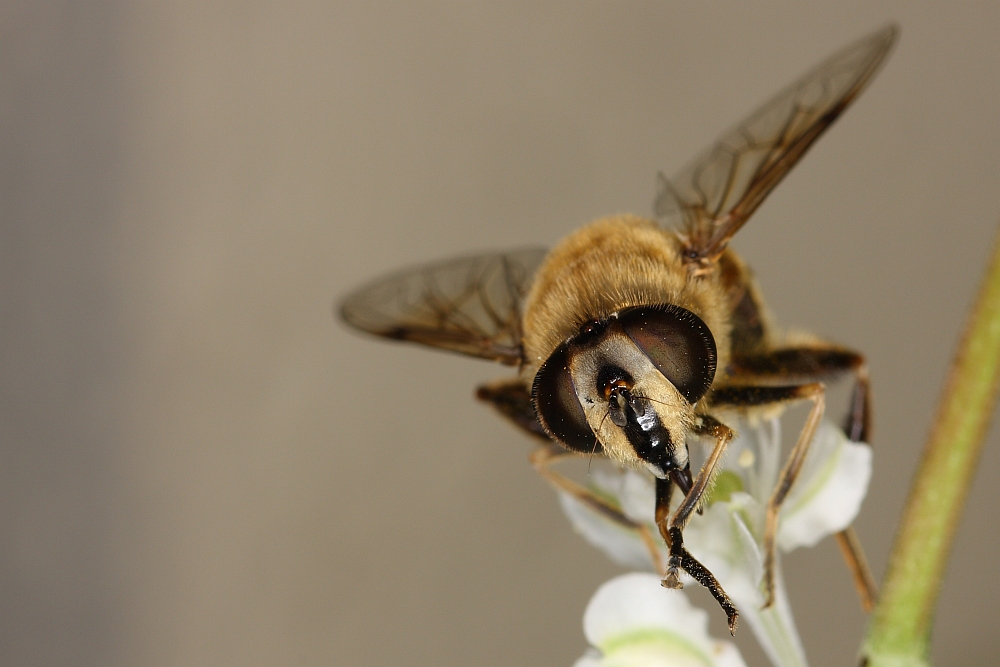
899	634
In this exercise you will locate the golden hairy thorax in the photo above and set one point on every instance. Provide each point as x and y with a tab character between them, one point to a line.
614	263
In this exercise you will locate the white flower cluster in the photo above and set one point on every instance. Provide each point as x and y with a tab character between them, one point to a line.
632	622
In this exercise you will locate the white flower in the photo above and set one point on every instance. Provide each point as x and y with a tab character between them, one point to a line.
630	622
728	537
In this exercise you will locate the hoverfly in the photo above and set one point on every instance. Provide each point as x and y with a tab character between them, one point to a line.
631	336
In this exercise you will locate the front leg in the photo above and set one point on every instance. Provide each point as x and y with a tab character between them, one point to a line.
817	362
664	491
670	527
681	558
695	495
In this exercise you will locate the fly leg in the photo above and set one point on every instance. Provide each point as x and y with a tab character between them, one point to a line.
670	527
854	555
815	362
748	396
680	557
695	496
789	473
513	400
542	459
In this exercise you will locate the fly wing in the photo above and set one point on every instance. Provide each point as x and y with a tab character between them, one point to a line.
714	195
470	305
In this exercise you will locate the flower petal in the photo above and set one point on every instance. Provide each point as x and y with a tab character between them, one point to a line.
635	622
620	544
726	539
592	658
638	601
828	494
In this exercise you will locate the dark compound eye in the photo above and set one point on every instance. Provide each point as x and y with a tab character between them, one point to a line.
678	342
557	406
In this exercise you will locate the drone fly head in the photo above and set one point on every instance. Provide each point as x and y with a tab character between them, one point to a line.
628	385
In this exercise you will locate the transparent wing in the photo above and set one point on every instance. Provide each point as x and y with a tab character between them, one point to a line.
470	305
714	195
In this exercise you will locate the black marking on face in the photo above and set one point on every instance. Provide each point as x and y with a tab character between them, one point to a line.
640	423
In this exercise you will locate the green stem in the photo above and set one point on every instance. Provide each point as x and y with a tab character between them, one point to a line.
899	633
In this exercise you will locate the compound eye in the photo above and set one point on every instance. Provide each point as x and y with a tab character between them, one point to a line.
678	342
557	406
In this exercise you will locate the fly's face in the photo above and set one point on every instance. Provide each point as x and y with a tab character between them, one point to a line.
629	383
631	408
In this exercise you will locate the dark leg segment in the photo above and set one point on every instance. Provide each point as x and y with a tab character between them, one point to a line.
670	528
815	363
512	399
858	424
858	429
680	558
664	491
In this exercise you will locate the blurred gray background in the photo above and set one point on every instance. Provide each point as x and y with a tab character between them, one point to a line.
199	466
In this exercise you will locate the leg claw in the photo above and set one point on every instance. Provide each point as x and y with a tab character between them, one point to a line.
672	580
